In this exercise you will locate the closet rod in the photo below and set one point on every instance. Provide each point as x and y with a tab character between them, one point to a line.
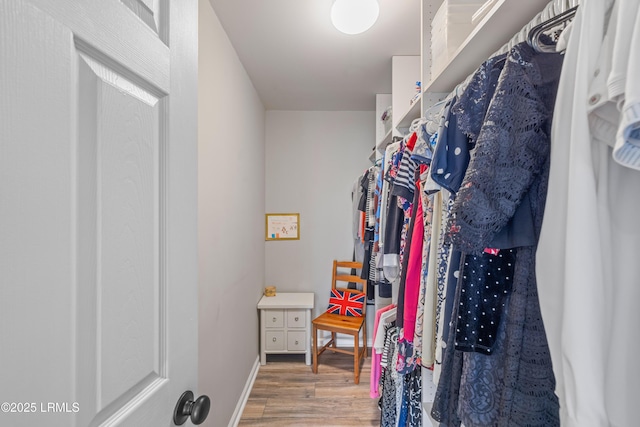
552	9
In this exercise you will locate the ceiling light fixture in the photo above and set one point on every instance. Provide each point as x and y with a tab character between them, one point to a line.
354	16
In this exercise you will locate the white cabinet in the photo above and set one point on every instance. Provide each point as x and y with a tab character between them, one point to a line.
285	325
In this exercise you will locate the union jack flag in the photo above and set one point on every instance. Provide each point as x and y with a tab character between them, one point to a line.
346	303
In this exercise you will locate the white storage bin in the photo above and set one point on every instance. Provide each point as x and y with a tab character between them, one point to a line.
450	27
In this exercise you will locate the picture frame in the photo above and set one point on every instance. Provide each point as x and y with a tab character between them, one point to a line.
282	226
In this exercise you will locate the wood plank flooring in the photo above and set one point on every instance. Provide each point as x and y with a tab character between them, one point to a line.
287	393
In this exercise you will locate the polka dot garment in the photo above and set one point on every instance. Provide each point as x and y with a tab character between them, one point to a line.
486	283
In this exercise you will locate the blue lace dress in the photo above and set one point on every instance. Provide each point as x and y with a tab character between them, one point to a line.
514	385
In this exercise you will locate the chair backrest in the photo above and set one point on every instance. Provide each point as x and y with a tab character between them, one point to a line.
342	274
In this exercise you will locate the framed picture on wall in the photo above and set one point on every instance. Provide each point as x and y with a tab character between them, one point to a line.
282	226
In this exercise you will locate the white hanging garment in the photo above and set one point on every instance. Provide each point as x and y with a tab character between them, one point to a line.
587	267
626	62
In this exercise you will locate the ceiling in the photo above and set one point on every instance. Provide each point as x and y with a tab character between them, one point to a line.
297	60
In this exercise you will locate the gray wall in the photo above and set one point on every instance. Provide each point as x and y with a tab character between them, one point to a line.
230	219
251	162
312	159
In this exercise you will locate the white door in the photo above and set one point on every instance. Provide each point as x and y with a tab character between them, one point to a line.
98	265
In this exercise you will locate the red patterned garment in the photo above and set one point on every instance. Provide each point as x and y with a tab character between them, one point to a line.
346	303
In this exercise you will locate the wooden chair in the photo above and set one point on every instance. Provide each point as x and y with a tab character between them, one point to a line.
341	324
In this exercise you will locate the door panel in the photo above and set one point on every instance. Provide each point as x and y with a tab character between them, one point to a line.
97	268
128	285
118	181
113	31
146	10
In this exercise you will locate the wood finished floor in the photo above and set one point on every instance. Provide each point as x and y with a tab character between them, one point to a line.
287	393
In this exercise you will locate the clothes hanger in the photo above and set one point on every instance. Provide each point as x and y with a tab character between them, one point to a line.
536	32
432	116
415	123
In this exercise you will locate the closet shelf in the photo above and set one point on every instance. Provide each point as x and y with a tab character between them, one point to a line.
382	144
372	156
411	115
497	27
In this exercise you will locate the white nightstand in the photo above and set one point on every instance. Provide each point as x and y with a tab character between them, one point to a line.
285	325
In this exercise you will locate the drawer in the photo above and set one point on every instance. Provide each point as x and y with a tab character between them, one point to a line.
274	319
295	319
296	340
275	340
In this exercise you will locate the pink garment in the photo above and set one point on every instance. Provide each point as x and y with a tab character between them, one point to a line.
376	370
412	279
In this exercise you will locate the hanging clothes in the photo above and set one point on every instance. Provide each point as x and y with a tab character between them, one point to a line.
485	288
414	266
432	348
369	200
376	350
406	363
388	401
403	242
459	128
510	159
358	244
387	160
587	256
424	334
394	227
471	231
382	283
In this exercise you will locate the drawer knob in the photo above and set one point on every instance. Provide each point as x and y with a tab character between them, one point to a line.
274	339
274	319
296	319
296	342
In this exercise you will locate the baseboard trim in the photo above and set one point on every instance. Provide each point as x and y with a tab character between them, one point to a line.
237	414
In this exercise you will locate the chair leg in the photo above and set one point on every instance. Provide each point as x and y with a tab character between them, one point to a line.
334	342
364	337
356	358
315	350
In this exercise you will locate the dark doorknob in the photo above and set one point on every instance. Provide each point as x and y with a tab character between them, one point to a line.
186	408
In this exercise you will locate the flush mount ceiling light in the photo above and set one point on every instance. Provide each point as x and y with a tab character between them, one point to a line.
354	16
